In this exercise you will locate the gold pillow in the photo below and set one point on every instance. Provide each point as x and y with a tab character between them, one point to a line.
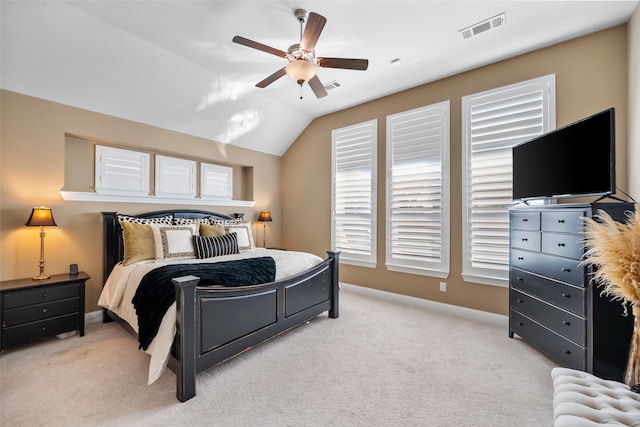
211	230
138	242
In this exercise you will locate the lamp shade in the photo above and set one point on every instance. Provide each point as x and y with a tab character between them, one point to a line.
300	70
41	216
265	216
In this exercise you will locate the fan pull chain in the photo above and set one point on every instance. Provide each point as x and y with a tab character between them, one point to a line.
300	90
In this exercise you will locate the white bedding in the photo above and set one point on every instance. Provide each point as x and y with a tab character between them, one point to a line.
123	281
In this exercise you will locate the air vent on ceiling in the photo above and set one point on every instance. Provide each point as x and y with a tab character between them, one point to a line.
483	26
332	85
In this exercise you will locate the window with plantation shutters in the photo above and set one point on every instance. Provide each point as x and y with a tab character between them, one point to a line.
418	191
492	123
353	204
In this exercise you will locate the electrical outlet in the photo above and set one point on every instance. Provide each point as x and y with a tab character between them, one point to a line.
443	286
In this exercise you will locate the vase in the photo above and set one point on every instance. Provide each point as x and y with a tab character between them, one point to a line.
632	371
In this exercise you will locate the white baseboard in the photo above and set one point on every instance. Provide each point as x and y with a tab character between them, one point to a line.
456	310
94	316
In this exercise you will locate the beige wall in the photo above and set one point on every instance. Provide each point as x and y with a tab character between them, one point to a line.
633	50
591	75
32	171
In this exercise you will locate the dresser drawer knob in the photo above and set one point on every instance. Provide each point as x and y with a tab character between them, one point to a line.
44	310
519	279
520	324
45	295
566	270
564	322
566	295
524	220
520	258
561	244
524	239
567	352
44	328
561	221
520	301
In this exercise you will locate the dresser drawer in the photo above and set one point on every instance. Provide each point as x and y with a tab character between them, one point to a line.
566	245
564	221
525	220
43	328
564	296
562	269
36	296
529	240
16	316
562	322
568	353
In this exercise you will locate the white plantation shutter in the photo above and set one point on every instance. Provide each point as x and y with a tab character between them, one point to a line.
216	181
492	123
418	191
354	193
175	177
120	171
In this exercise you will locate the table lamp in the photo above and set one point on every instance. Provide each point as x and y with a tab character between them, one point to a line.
41	216
265	216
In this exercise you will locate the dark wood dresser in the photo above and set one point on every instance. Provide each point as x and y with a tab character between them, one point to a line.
31	309
553	303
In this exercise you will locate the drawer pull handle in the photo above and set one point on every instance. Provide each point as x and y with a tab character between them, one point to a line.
524	220
561	221
566	295
44	310
520	258
520	301
566	270
561	244
564	322
524	239
45	295
44	328
567	352
520	324
519	279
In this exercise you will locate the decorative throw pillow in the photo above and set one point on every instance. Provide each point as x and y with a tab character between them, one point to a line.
168	220
174	241
138	242
209	247
245	237
183	221
226	222
211	230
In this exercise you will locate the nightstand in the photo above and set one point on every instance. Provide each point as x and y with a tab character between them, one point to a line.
32	309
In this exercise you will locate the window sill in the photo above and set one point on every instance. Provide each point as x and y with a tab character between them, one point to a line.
416	270
77	196
484	280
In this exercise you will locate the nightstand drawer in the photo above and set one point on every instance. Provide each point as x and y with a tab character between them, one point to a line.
562	322
44	328
31	313
37	296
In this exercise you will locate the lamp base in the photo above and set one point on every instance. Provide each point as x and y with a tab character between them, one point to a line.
40	277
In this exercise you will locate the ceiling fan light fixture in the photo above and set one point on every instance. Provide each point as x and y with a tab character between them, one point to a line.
300	70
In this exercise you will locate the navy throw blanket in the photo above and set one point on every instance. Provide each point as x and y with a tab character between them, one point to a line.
156	292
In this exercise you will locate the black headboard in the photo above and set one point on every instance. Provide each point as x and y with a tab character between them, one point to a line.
113	244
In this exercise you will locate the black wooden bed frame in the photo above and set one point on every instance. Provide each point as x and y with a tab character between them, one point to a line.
215	324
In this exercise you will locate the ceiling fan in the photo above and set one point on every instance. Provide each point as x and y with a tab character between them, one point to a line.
301	56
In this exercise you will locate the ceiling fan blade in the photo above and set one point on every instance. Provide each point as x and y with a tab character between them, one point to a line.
315	24
347	63
317	87
259	46
272	78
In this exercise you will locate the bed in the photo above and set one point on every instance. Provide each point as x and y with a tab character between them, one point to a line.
211	324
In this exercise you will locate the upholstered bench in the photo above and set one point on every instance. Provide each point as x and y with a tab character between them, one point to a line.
582	399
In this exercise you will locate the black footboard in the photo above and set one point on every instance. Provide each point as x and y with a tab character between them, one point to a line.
214	324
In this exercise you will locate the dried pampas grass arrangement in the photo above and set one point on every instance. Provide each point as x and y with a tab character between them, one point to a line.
613	248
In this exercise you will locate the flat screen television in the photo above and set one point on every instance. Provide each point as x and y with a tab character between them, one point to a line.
573	161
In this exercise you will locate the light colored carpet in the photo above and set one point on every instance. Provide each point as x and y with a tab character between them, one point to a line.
388	360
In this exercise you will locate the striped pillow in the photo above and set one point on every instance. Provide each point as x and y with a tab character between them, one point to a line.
209	247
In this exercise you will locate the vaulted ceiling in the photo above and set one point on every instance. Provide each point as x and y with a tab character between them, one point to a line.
173	64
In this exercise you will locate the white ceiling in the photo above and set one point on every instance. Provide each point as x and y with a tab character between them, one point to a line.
172	64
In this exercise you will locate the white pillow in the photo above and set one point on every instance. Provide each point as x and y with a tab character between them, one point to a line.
245	237
174	241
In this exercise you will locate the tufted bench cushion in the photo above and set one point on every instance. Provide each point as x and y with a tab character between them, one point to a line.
582	399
